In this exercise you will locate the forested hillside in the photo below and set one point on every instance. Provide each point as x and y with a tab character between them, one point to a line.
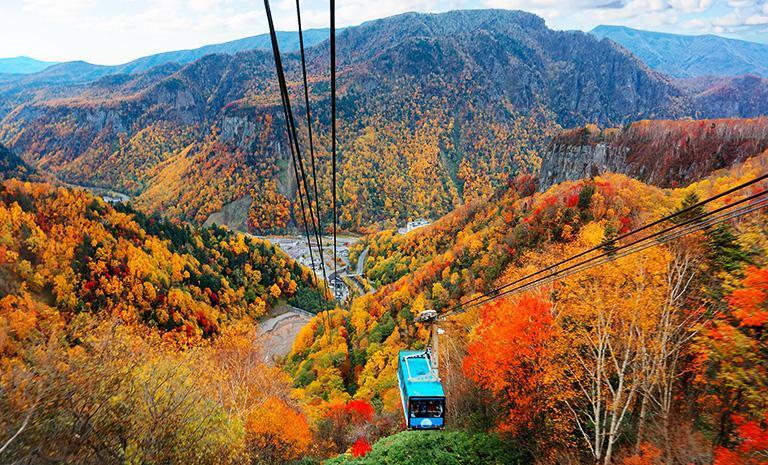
70	253
683	311
11	166
457	103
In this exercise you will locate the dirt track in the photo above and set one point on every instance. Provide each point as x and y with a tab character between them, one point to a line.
277	333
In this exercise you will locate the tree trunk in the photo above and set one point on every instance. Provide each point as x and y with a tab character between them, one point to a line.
667	442
641	422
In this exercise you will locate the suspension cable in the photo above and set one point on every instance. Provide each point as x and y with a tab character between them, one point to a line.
293	141
557	275
319	230
333	125
661	240
611	242
504	289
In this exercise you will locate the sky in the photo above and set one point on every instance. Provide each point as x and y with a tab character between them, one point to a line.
116	31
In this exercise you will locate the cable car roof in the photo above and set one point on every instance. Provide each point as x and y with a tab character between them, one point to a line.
417	375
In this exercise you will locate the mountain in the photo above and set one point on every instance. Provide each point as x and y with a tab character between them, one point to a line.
435	110
22	65
74	72
663	153
289	42
685	56
733	96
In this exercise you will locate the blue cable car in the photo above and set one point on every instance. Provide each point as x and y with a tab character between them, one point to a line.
421	391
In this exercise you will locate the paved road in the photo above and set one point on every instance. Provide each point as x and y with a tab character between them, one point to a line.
361	262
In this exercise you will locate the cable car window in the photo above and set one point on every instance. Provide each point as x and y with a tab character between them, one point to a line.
427	408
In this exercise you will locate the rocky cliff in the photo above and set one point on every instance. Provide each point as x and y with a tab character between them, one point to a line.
665	153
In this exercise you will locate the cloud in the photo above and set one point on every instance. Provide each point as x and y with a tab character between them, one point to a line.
750	16
62	10
690	6
112	31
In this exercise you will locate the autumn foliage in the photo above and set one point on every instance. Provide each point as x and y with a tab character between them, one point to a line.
277	433
511	357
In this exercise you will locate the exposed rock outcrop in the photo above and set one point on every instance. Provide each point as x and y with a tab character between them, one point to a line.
665	153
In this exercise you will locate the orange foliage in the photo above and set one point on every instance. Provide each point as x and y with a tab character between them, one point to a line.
277	432
510	357
648	455
750	303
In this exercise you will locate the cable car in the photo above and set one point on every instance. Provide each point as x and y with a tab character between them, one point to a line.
421	390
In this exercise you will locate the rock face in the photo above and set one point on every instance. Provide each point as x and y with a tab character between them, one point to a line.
565	161
665	153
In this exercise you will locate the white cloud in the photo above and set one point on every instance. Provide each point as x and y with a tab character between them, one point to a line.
112	31
756	20
690	6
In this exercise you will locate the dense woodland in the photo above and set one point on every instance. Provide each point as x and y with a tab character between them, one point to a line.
127	338
653	358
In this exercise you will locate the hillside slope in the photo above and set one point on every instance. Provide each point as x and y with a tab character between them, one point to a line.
11	166
71	252
521	348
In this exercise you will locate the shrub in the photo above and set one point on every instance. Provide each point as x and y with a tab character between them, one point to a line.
443	447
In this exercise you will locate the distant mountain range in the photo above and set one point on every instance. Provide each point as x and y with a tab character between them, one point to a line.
434	110
685	56
81	71
23	65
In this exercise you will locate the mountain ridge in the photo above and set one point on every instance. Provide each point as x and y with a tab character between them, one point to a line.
80	71
686	56
23	65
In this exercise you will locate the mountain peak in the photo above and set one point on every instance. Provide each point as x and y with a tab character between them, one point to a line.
22	65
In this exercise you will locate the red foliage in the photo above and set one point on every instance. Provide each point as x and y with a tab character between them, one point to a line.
508	357
361	448
572	200
359	410
752	448
751	302
626	224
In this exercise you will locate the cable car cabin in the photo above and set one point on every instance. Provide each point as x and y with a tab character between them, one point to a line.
420	390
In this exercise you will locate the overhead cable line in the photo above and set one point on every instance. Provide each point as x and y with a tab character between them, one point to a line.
557	275
293	142
613	252
611	242
319	228
333	124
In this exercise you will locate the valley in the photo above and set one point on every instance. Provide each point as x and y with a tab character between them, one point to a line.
566	233
186	141
296	247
